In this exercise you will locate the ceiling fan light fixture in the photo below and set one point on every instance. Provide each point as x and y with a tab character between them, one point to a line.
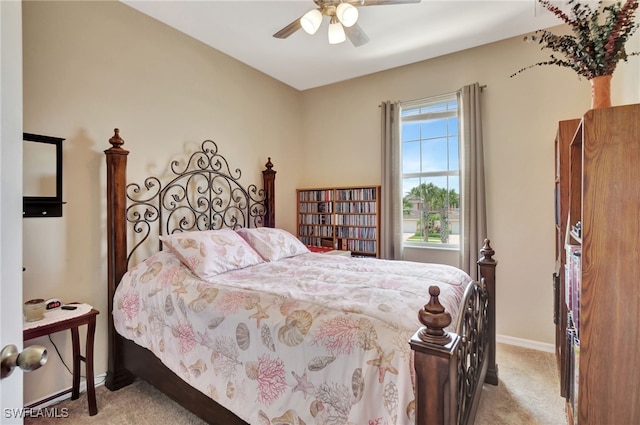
347	14
311	21
336	32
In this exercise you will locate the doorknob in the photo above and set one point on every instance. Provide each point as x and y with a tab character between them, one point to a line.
30	359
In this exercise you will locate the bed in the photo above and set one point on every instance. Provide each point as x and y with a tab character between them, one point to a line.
241	324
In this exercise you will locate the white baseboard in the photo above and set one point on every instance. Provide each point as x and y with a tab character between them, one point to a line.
526	343
98	381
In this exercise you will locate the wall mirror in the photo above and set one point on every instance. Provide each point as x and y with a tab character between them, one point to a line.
41	176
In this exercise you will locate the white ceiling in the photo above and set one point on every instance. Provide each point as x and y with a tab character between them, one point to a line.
399	34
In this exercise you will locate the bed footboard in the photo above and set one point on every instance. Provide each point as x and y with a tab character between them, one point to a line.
451	367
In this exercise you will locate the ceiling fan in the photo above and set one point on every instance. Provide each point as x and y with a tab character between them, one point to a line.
343	17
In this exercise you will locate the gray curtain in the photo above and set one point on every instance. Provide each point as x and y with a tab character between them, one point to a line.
472	196
391	210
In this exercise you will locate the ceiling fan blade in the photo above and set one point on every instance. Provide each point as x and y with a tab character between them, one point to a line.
356	35
288	30
380	2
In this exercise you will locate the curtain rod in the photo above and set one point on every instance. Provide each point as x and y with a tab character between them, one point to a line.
482	87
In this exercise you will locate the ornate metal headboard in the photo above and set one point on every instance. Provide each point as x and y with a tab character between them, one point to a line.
202	192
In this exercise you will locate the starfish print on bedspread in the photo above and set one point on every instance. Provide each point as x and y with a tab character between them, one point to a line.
383	363
260	314
303	384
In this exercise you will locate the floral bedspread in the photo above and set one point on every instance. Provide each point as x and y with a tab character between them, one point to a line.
312	339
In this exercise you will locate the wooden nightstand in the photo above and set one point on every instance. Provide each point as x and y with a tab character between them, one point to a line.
73	323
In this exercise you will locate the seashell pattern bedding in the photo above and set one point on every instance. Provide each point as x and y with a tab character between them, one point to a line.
310	339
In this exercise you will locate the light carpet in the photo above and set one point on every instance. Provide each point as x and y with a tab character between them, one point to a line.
528	393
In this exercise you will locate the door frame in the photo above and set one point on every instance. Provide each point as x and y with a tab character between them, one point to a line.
11	103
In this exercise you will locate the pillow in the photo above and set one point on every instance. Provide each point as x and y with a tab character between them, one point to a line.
273	244
211	252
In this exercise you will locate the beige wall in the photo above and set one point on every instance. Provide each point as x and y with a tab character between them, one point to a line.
93	66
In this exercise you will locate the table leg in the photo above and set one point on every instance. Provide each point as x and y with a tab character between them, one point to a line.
91	389
75	343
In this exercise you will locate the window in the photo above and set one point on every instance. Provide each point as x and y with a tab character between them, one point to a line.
431	172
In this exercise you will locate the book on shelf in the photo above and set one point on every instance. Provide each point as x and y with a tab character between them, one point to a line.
573	277
576	378
572	368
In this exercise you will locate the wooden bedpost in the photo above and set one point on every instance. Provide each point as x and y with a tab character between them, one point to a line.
435	361
487	271
117	375
450	368
268	179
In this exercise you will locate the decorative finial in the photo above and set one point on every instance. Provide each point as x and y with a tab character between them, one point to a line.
116	141
487	252
269	165
434	317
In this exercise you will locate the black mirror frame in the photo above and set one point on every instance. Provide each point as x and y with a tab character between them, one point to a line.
45	206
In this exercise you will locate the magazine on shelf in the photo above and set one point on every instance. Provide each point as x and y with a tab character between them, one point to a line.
572	371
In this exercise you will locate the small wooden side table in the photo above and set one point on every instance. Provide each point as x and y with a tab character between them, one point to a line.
73	323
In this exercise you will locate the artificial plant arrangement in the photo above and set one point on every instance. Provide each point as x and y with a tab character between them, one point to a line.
596	44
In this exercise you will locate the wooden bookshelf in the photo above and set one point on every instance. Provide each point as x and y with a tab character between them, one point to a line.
564	136
600	269
343	218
